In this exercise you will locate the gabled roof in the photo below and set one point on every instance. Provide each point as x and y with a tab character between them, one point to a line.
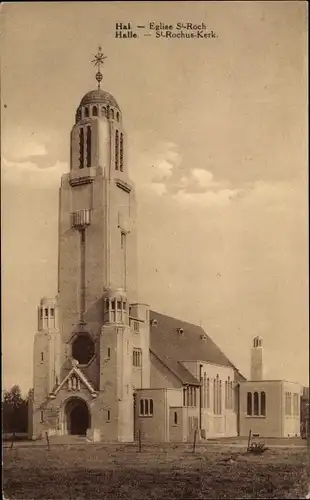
193	344
75	371
178	370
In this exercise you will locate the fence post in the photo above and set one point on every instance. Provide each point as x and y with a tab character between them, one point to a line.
47	440
194	443
249	440
13	439
139	441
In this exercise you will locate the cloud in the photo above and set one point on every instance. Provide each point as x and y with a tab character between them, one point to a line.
159	188
29	173
222	197
21	144
152	169
198	180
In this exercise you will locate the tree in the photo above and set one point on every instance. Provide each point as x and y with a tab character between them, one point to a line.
14	411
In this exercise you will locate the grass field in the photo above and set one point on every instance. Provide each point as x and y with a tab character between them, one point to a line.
158	472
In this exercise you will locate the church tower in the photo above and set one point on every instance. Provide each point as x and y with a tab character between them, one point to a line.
97	280
257	359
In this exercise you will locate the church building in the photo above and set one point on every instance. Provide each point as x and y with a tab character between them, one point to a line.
108	367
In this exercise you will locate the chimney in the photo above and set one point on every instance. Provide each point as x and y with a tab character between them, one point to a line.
257	359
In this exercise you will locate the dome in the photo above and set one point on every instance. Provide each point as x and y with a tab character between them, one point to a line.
99	96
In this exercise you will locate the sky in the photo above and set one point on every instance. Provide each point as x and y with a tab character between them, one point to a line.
217	138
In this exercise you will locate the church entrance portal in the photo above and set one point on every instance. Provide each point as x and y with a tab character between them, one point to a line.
77	417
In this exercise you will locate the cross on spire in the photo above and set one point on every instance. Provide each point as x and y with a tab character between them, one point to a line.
97	61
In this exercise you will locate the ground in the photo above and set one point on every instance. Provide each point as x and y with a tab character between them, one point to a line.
99	471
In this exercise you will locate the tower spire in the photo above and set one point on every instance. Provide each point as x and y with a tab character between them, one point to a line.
97	61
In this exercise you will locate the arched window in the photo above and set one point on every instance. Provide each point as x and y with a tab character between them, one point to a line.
263	403
88	146
214	397
220	397
121	153
256	406
146	406
226	394
112	113
83	349
78	115
95	111
81	148
103	111
204	390
86	112
117	116
116	149
249	403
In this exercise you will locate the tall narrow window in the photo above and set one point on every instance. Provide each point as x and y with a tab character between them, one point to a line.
116	149
108	416
121	153
112	113
204	390
95	111
86	113
88	146
214	397
220	398
175	418
141	407
256	409
249	403
226	395
151	406
184	397
217	395
81	148
42	357
137	357
263	404
41	416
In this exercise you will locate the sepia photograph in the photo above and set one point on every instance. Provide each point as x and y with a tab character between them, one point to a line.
155	278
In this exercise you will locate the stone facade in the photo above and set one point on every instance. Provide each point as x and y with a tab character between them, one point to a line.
105	366
270	408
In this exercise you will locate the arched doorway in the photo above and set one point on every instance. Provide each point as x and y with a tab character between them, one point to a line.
77	417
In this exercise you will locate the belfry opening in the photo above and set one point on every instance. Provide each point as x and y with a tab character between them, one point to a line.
77	417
